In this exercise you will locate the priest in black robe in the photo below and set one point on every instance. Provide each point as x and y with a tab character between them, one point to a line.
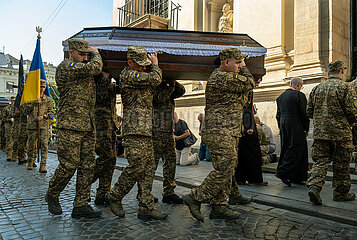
293	124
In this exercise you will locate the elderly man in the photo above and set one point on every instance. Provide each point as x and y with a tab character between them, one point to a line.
137	88
293	124
38	111
224	107
76	135
333	106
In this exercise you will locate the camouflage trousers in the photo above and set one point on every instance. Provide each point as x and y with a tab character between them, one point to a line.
105	147
32	144
8	139
220	182
340	154
75	152
22	143
141	169
15	138
164	148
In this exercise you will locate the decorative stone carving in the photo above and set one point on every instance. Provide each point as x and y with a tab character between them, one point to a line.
226	21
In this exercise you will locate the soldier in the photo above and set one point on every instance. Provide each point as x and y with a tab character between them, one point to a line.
105	145
15	133
332	105
22	141
354	129
163	138
136	88
75	125
225	99
39	112
8	120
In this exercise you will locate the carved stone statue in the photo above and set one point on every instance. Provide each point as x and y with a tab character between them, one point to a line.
226	21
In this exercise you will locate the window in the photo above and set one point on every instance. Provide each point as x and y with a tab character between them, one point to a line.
9	87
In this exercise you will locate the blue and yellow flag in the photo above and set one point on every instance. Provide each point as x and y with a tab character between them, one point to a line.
36	73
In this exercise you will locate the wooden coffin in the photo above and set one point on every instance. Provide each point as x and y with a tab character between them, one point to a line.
184	55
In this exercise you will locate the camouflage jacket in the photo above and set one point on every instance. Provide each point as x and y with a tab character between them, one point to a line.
137	91
105	109
46	110
77	92
164	105
7	113
333	106
226	94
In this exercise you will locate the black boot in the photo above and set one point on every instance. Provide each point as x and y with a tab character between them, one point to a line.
194	206
173	198
86	212
152	214
222	212
53	205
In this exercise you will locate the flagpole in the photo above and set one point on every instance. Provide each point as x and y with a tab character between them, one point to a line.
38	30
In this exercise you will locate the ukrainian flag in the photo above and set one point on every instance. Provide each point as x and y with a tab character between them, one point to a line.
36	73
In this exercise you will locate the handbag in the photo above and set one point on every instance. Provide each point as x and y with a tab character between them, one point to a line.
190	140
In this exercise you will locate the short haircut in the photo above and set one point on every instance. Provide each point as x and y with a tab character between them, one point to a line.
295	81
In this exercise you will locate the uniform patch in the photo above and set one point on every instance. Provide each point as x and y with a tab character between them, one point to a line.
71	64
137	75
355	101
235	76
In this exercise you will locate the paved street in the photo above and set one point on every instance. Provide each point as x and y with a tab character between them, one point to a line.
24	215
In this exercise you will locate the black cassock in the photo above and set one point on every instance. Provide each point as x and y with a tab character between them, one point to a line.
293	122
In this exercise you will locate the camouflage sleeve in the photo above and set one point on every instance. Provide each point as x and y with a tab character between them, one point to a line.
144	80
28	107
350	104
50	109
93	67
310	104
163	93
178	91
236	83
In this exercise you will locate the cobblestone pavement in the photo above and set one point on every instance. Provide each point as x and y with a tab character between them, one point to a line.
24	215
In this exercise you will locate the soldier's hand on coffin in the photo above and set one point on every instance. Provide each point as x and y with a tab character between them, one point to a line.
94	49
153	58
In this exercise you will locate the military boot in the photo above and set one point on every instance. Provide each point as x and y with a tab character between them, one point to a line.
151	214
86	212
172	198
314	194
238	199
194	206
347	197
42	168
30	164
222	212
53	205
116	206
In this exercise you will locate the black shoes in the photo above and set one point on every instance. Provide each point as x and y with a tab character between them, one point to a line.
152	214
194	206
173	199
101	201
222	212
86	212
348	197
53	205
314	195
284	180
116	207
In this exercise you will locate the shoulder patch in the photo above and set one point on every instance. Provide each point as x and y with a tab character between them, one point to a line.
71	64
137	75
235	76
355	101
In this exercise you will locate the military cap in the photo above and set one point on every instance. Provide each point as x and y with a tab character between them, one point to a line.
229	53
43	83
138	55
336	66
78	44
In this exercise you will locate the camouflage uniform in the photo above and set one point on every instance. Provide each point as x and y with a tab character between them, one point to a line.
264	144
7	114
332	105
225	98
75	124
47	111
23	136
137	90
163	139
15	134
354	129
105	146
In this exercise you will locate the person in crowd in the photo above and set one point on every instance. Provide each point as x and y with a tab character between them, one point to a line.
354	129
184	156
15	133
225	91
293	124
204	153
263	141
75	127
105	144
23	137
39	112
120	139
163	137
8	123
333	107
137	89
249	167
269	157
